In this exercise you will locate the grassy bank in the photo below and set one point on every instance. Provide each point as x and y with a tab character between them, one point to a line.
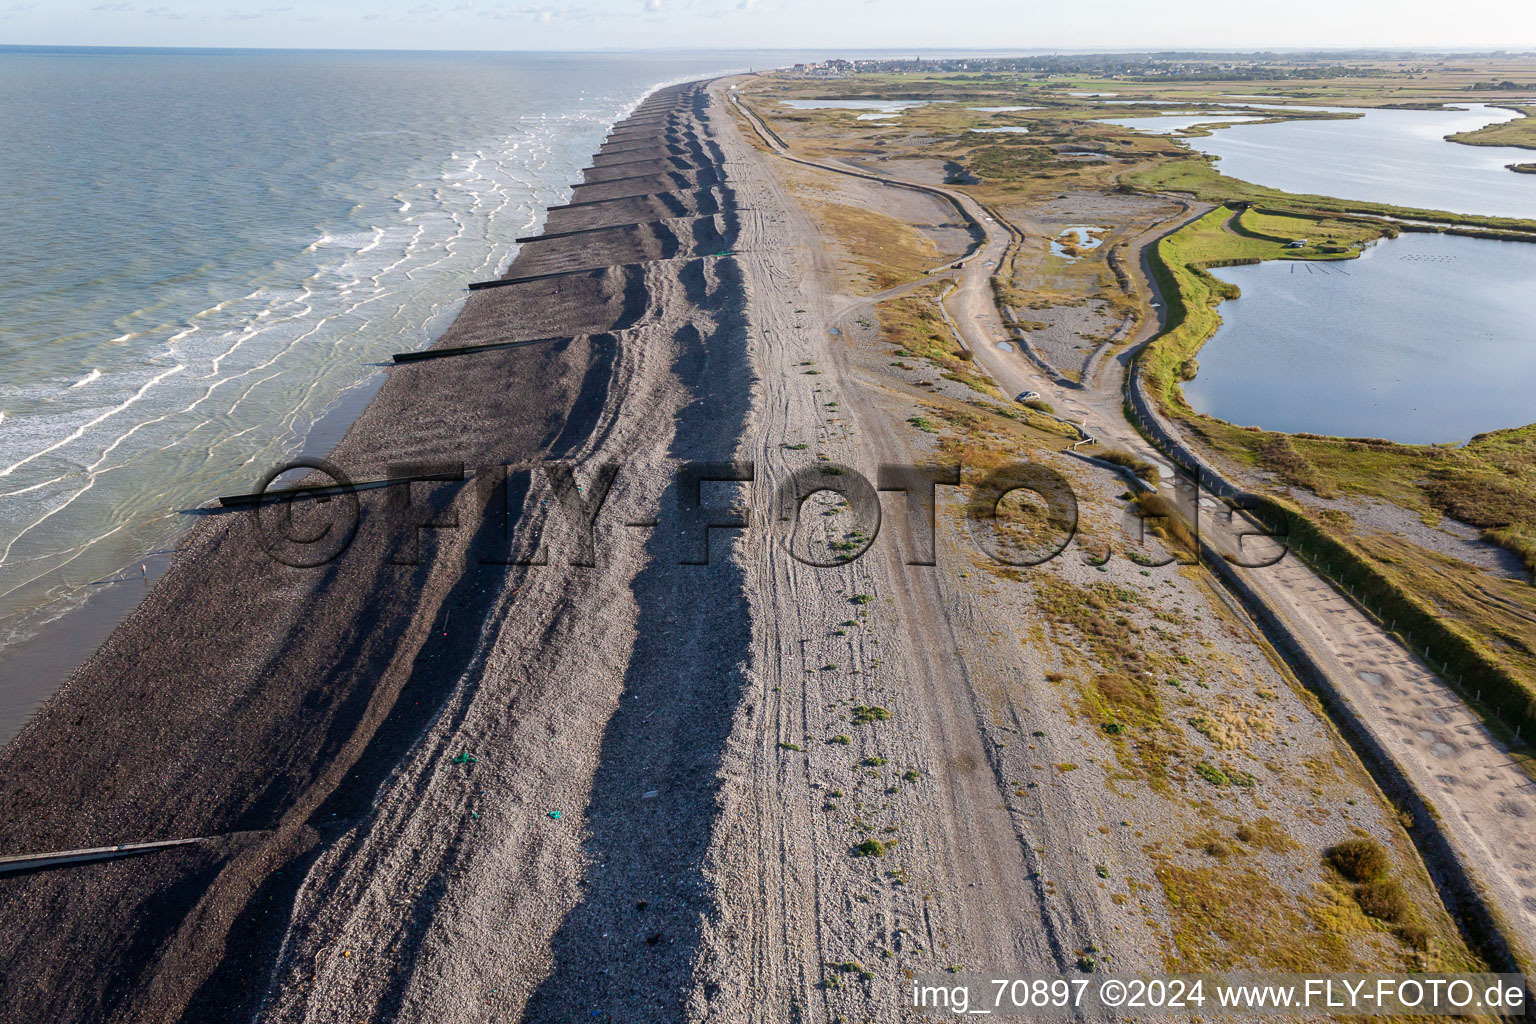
887	251
913	324
1222	238
1479	627
1198	176
1443	611
1519	132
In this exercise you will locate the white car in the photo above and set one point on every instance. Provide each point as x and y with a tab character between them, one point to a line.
1027	396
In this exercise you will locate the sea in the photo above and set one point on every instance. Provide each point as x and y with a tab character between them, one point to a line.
207	255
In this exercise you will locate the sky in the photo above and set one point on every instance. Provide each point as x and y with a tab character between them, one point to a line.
754	24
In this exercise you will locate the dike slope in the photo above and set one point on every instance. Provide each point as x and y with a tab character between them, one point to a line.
278	710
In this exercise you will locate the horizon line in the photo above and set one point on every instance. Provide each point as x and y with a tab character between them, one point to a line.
981	52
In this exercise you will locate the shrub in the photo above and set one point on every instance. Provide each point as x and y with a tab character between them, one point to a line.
871	848
1415	935
1164	519
1136	464
1215	776
1359	860
1384	900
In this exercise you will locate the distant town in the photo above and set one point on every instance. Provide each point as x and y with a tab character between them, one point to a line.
1159	66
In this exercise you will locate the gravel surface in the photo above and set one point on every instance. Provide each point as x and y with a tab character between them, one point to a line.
279	709
644	790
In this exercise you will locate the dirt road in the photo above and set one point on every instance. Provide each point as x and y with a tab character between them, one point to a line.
1486	798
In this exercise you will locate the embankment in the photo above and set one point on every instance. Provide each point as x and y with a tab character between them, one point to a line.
266	704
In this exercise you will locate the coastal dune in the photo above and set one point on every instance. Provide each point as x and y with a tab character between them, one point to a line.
306	719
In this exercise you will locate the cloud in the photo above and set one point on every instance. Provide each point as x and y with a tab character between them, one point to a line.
236	14
652	6
113	8
542	15
747	5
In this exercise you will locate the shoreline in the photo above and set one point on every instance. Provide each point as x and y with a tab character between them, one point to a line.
60	646
259	704
472	767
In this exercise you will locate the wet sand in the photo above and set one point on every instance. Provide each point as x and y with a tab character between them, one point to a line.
265	705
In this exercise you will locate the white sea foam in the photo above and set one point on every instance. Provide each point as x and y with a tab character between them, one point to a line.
190	402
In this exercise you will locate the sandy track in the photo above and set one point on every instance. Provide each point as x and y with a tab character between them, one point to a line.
1486	799
1410	712
792	902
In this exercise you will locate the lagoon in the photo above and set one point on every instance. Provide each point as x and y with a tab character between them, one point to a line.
1384	156
1425	338
884	106
1162	125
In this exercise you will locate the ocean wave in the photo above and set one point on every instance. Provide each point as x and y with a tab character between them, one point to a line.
177	410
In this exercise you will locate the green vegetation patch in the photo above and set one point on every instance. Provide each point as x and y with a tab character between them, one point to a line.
913	324
1227	916
1519	132
1197	175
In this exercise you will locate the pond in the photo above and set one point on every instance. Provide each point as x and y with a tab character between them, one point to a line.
883	106
1076	239
1163	125
1425	338
1385	156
